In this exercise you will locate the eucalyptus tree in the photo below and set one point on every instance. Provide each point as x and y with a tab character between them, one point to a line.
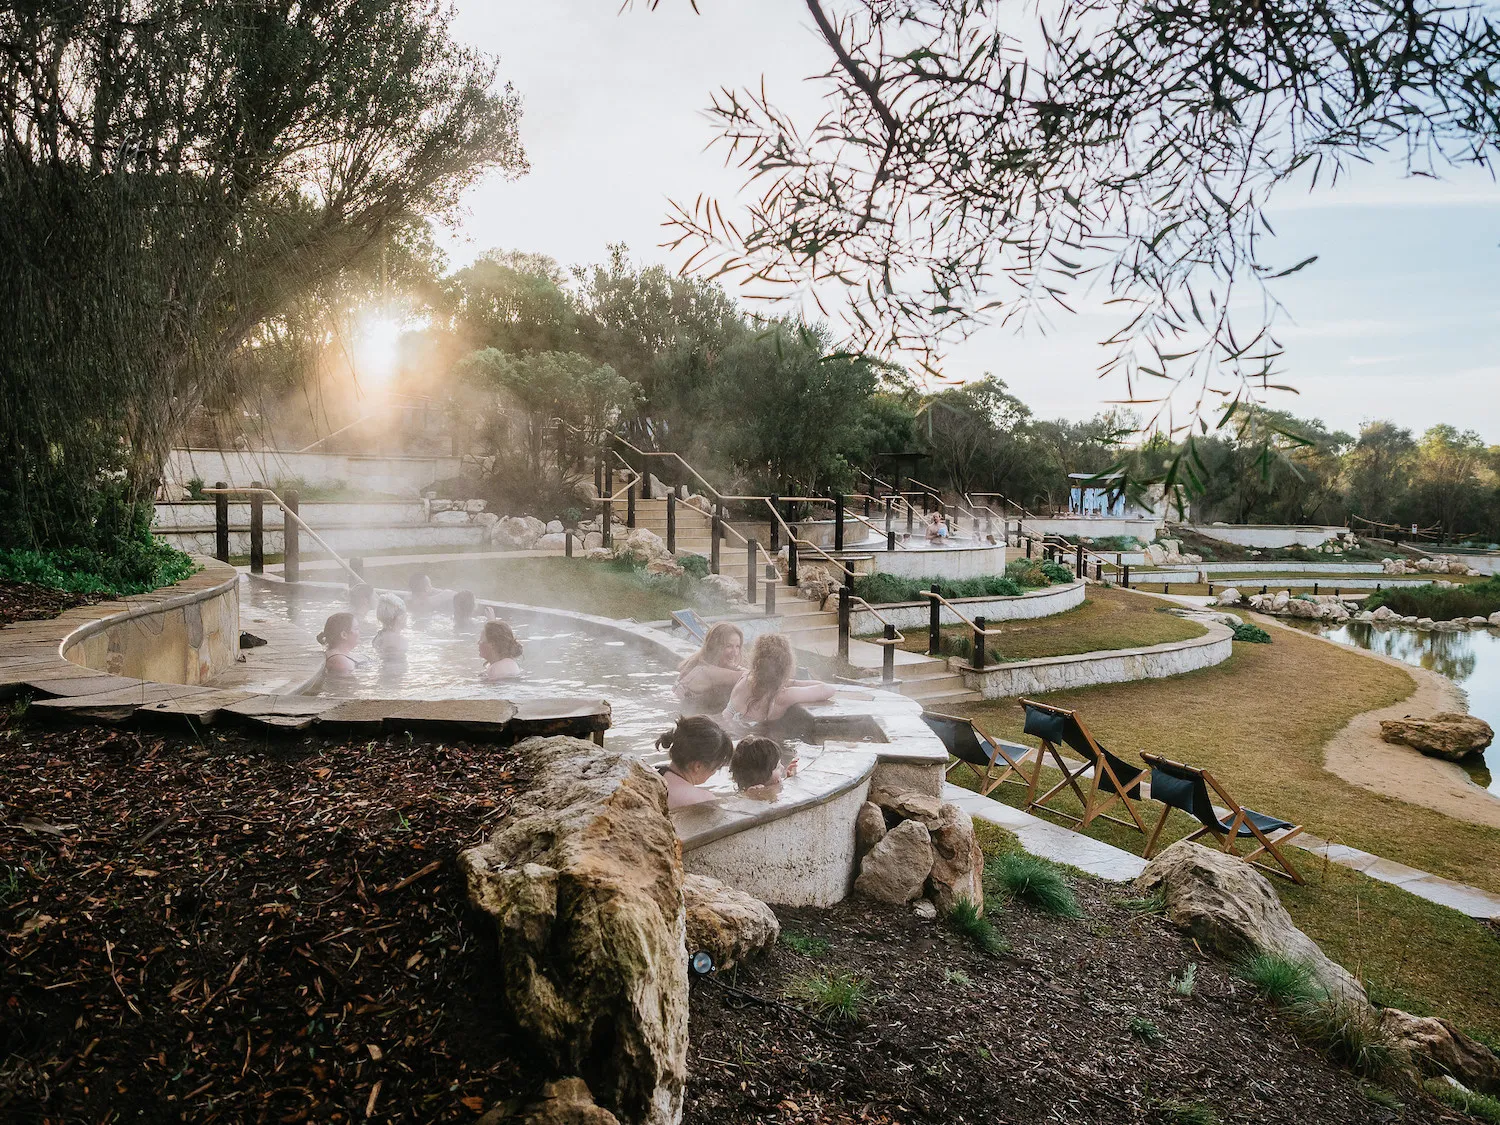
994	160
176	173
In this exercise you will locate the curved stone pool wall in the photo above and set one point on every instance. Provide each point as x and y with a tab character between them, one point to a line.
183	634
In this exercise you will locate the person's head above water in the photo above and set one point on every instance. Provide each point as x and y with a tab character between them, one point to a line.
723	647
340	630
464	605
771	665
362	598
390	611
754	762
497	641
420	585
698	747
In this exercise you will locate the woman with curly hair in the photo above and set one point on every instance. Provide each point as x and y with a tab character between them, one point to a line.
766	691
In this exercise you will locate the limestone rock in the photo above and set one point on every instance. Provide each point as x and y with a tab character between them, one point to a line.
517	533
665	568
1384	613
1438	1048
724	588
895	870
1494	619
486	519
910	806
555	527
957	862
593	540
1229	596
599	554
451	518
434	506
1448	734
584	884
1478	621
474	507
564	1102
869	827
551	542
1280	601
728	923
924	909
641	546
1230	907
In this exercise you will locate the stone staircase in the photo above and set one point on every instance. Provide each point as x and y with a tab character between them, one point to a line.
808	627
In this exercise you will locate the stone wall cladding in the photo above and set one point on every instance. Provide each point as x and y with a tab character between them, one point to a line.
1059	673
1023	607
182	634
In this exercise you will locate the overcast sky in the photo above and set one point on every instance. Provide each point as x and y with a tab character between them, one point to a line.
1399	318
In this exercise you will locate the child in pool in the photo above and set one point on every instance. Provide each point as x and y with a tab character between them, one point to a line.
361	600
697	748
339	638
466	615
765	692
499	649
390	642
757	770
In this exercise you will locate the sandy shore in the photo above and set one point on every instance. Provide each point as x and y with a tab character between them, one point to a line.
1361	757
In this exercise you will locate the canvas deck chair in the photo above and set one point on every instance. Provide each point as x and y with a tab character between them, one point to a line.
1179	786
1100	781
989	759
695	625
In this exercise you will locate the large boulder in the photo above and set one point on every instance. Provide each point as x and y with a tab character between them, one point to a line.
1494	619
1439	1049
641	546
1230	907
725	588
517	533
665	568
451	518
1229	596
474	507
552	542
896	869
869	827
957	861
907	805
1448	734
584	884
728	923
1156	553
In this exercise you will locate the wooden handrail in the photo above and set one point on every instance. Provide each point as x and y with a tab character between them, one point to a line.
960	614
285	511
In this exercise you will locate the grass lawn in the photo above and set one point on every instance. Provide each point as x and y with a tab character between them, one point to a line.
1108	619
557	583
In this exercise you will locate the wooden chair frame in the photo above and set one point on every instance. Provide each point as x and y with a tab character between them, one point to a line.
1095	801
1239	820
989	781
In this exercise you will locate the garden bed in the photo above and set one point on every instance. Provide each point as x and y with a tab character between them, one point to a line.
26	601
230	929
1079	1021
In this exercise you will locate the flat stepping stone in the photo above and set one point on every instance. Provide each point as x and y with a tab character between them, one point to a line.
483	717
540	718
90	683
202	708
117	706
281	712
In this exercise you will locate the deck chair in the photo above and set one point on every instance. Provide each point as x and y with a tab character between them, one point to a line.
1107	778
1179	786
695	625
983	756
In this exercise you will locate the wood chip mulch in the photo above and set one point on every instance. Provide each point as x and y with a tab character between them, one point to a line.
1080	1022
21	601
226	928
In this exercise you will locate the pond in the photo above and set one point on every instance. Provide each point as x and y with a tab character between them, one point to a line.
1470	658
560	658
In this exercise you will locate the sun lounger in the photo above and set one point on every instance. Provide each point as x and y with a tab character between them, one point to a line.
695	625
1179	786
1106	778
990	760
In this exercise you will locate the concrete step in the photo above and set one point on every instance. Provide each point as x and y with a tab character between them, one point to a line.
801	634
924	686
945	699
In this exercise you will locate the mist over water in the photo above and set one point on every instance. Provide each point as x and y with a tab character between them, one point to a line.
1469	657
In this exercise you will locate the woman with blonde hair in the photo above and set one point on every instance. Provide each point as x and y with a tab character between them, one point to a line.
705	679
768	689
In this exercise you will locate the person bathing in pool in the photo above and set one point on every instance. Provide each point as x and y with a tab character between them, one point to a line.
390	642
697	748
757	770
705	679
339	638
466	615
767	690
500	650
425	598
361	601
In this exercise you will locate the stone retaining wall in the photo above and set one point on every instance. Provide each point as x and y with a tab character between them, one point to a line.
183	634
1059	673
1022	607
938	562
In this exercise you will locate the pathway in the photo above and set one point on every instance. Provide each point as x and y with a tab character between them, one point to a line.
1048	840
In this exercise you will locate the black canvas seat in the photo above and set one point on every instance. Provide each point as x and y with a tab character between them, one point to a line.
1109	778
989	759
1180	786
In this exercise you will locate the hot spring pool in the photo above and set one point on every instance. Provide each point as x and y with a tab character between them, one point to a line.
559	658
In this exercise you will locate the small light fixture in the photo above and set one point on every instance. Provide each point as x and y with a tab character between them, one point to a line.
701	962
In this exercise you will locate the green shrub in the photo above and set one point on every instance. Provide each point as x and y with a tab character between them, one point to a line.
1350	1034
961	646
1032	880
883	589
1282	980
837	996
803	944
1144	1030
1187	1113
195	489
1027	572
695	565
1056	572
132	566
965	918
1482	1106
1251	633
1114	543
1478	599
1185	984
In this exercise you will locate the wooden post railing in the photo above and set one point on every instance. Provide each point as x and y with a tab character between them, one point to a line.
888	656
934	623
291	549
257	529
221	522
671	523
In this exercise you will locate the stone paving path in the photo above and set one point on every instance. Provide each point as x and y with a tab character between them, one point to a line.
1051	841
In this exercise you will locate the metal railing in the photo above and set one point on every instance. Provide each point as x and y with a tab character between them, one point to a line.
979	630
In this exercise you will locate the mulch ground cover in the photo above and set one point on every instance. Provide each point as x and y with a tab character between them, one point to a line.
240	929
22	601
1080	1022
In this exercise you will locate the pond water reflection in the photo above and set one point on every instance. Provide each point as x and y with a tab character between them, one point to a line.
1468	657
